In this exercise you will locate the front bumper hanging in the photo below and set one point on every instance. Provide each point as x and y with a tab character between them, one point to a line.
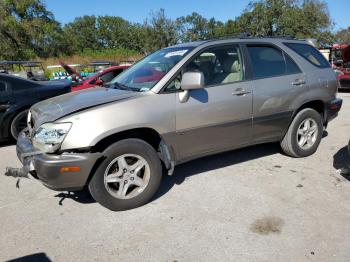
66	171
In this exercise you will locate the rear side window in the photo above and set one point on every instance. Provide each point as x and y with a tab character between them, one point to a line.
268	61
310	53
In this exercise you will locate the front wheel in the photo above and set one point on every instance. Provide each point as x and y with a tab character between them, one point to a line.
304	134
128	177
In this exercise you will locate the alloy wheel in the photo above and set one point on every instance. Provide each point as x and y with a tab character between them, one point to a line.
127	176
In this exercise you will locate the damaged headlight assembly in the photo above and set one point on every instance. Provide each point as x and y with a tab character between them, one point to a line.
49	136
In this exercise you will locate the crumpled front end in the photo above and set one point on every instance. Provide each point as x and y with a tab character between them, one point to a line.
65	171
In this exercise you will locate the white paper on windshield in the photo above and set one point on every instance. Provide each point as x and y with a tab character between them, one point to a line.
176	53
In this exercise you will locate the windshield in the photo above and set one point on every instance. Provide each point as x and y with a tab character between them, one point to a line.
144	75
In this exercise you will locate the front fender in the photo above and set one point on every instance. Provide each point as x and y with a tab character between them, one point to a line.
155	111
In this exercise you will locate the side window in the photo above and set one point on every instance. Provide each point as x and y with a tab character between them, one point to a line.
310	53
291	66
268	61
219	65
2	86
107	77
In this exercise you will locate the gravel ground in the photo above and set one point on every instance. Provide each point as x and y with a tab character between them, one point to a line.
253	204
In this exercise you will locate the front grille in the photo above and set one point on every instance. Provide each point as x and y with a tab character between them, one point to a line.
345	83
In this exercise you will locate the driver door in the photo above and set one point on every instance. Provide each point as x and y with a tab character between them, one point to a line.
217	117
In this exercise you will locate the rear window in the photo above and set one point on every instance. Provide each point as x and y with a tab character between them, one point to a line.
268	61
310	53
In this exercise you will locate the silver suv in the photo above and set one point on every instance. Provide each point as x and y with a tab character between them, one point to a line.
177	104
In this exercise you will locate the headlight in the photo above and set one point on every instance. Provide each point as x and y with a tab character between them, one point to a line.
49	136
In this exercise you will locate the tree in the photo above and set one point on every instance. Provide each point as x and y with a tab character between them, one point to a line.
342	36
159	31
302	19
192	27
82	34
27	30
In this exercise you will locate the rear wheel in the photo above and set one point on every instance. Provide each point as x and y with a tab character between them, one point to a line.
128	177
304	134
19	123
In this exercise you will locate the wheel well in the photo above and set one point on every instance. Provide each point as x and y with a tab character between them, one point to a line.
149	135
317	105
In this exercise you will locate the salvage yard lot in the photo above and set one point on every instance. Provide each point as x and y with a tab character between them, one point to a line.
253	204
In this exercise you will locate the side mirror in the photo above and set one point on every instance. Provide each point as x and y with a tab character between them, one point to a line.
192	80
99	82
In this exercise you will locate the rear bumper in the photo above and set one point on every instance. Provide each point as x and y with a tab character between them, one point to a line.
47	167
332	109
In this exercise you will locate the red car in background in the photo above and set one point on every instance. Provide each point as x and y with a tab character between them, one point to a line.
100	78
339	57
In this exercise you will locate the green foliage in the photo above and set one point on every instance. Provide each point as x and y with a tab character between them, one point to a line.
28	29
302	19
343	36
159	32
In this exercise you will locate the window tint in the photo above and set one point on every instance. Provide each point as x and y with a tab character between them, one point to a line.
220	65
310	53
268	61
2	86
109	76
291	66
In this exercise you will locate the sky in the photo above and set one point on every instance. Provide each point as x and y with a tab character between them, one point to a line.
137	10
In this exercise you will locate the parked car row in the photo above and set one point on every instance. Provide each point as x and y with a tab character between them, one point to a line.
177	104
18	94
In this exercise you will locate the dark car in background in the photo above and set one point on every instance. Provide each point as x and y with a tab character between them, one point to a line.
17	95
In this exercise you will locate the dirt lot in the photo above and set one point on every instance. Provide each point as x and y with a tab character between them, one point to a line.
253	204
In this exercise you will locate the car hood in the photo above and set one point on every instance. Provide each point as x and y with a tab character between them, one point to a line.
54	108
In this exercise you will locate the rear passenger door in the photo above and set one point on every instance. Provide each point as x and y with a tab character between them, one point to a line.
277	82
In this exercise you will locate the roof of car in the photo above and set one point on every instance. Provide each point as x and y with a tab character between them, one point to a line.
6	77
114	68
240	39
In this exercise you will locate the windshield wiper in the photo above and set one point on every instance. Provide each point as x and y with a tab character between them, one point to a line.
124	87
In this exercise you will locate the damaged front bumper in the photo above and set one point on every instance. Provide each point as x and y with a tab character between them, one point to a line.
66	171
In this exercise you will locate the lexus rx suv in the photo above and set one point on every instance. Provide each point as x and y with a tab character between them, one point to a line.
177	104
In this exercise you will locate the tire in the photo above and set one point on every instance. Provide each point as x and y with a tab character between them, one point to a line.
108	193
296	131
18	123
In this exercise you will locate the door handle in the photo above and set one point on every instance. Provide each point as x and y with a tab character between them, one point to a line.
298	82
240	92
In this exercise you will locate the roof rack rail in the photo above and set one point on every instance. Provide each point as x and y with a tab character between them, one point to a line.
289	37
248	36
